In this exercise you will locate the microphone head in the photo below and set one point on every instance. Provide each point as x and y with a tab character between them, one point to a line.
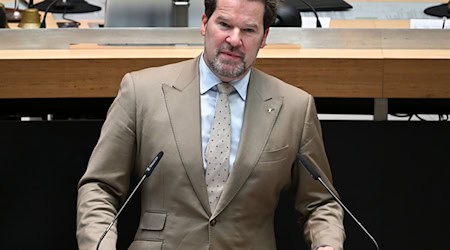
309	167
153	164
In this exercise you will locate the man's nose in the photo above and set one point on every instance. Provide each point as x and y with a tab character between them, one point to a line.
234	38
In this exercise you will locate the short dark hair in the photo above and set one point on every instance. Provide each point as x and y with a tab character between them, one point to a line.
270	10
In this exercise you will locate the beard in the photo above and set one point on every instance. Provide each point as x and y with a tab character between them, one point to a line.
228	68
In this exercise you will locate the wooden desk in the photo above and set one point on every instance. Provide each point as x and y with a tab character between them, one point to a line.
95	71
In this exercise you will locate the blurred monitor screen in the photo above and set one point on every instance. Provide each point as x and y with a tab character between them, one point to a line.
139	13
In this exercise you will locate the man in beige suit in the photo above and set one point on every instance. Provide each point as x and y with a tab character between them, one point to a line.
171	109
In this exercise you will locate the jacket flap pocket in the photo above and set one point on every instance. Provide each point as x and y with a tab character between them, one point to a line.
142	244
275	154
153	221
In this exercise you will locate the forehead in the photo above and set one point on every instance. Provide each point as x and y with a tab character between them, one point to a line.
249	11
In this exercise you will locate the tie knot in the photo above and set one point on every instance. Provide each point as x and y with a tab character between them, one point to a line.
225	88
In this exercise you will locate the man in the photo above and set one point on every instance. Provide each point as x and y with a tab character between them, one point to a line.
200	198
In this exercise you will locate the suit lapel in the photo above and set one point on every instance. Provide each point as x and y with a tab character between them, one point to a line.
183	105
262	107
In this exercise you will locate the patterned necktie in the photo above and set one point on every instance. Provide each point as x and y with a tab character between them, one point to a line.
218	148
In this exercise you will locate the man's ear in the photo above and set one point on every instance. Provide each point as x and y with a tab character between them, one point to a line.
203	25
263	42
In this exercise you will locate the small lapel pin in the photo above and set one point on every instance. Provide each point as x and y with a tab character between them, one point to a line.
270	110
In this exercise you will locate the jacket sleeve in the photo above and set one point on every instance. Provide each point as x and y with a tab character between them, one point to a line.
105	183
320	214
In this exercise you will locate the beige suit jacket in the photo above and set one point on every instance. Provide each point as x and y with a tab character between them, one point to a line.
158	109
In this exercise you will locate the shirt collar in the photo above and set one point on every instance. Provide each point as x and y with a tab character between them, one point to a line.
208	80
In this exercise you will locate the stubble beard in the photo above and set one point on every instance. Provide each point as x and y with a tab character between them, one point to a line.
227	68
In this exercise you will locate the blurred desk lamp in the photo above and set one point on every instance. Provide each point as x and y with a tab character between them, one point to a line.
67	6
442	10
14	16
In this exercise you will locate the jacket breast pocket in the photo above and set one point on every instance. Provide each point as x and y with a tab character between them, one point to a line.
153	221
274	154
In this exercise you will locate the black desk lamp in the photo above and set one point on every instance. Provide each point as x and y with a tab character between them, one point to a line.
442	10
287	16
67	6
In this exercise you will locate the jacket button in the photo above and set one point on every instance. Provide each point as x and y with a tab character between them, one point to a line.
213	222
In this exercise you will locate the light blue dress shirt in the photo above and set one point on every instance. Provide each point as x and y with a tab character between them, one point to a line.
208	99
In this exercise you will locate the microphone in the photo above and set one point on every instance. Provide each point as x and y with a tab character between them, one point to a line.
318	24
43	23
62	5
147	173
315	175
289	16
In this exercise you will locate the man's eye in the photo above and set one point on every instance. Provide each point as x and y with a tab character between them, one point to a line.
249	30
224	24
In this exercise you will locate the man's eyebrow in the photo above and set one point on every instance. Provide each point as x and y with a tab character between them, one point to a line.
223	18
252	25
